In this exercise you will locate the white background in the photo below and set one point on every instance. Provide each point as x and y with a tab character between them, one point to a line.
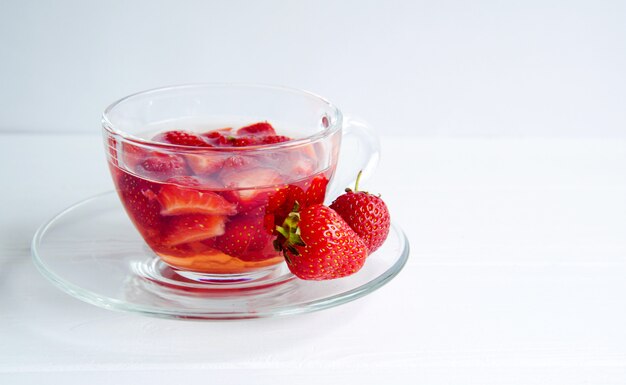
445	68
504	160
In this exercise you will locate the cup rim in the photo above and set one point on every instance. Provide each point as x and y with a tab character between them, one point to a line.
333	127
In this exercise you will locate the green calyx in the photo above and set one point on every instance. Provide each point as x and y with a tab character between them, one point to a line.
291	233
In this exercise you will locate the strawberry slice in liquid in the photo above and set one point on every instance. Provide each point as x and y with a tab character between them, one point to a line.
250	187
176	200
212	211
182	229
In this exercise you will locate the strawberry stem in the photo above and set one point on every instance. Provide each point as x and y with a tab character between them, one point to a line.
358	178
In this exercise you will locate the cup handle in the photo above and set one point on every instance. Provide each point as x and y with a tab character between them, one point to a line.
360	151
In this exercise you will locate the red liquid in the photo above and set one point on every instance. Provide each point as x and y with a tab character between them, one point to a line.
214	213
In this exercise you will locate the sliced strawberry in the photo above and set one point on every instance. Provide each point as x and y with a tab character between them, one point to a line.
133	155
176	200
204	183
190	228
311	150
238	163
192	256
299	165
211	183
247	239
245	141
163	165
185	181
205	164
271	139
269	222
257	129
258	211
139	199
116	172
290	162
300	161
217	133
316	192
218	138
254	134
250	187
182	138
223	141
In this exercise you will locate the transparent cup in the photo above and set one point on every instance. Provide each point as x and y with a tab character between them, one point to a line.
209	213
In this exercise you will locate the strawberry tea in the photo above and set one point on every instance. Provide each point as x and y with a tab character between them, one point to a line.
216	213
207	172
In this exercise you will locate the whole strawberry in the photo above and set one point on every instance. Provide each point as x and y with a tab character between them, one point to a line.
318	244
366	214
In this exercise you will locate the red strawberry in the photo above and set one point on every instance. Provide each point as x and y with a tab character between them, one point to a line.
316	192
193	181
237	163
302	167
251	178
133	155
185	180
245	141
205	164
318	244
190	228
218	138
252	135
139	198
366	214
280	203
250	187
294	162
182	138
257	129
176	200
247	239
163	165
271	139
285	196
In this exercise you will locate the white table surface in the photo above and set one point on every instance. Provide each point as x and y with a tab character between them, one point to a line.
516	276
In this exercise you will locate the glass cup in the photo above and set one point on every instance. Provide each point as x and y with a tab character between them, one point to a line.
210	213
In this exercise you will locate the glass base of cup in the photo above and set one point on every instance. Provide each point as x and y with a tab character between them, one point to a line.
219	279
158	272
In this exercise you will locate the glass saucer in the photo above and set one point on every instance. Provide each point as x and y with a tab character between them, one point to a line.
92	251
